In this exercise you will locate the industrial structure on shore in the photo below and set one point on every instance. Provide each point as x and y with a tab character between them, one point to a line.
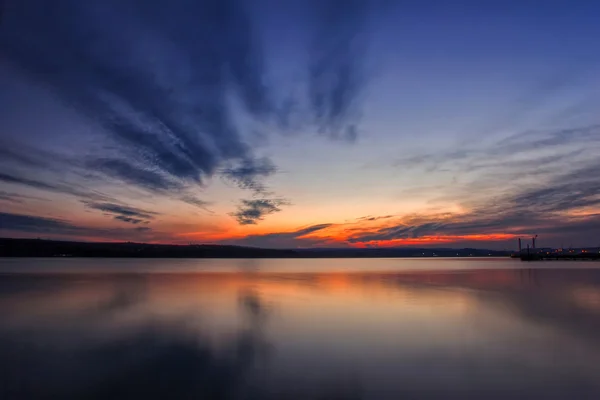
533	253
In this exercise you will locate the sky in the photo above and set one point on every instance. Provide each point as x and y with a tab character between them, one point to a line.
301	123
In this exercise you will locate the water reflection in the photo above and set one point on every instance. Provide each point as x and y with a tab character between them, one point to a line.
491	333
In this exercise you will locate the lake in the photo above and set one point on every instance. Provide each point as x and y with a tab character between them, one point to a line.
299	329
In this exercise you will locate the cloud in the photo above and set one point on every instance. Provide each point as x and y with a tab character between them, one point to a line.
7	178
55	187
292	239
29	225
539	152
336	73
17	197
560	198
523	181
124	213
10	197
557	137
310	229
152	181
372	218
123	210
129	219
191	199
564	204
159	77
249	212
542	182
15	153
245	175
19	156
129	173
476	228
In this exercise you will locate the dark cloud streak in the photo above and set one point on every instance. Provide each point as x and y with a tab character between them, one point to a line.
515	154
552	207
158	76
246	174
281	239
16	197
249	212
131	220
31	224
336	73
56	187
123	213
132	174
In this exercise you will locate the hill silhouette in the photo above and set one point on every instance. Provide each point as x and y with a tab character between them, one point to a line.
57	248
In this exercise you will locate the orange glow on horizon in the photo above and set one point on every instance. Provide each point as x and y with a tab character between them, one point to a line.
428	240
347	233
337	235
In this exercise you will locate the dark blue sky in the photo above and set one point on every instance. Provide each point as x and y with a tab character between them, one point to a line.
300	123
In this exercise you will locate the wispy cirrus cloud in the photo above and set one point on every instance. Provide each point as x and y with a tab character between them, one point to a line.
335	82
293	239
246	175
130	173
17	197
250	211
28	225
547	149
123	213
495	173
561	208
564	203
10	197
374	218
58	187
158	77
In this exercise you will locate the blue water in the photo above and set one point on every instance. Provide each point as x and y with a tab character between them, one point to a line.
299	329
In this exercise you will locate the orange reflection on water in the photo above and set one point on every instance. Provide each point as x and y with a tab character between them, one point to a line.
476	331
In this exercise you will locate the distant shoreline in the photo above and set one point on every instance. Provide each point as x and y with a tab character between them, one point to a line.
20	248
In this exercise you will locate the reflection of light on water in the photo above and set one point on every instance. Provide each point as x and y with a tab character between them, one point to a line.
479	329
587	298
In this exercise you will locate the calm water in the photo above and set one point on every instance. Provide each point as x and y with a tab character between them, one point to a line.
299	329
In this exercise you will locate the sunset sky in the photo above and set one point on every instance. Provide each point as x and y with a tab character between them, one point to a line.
301	123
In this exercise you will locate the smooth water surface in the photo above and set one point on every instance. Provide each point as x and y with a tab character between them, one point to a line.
299	329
